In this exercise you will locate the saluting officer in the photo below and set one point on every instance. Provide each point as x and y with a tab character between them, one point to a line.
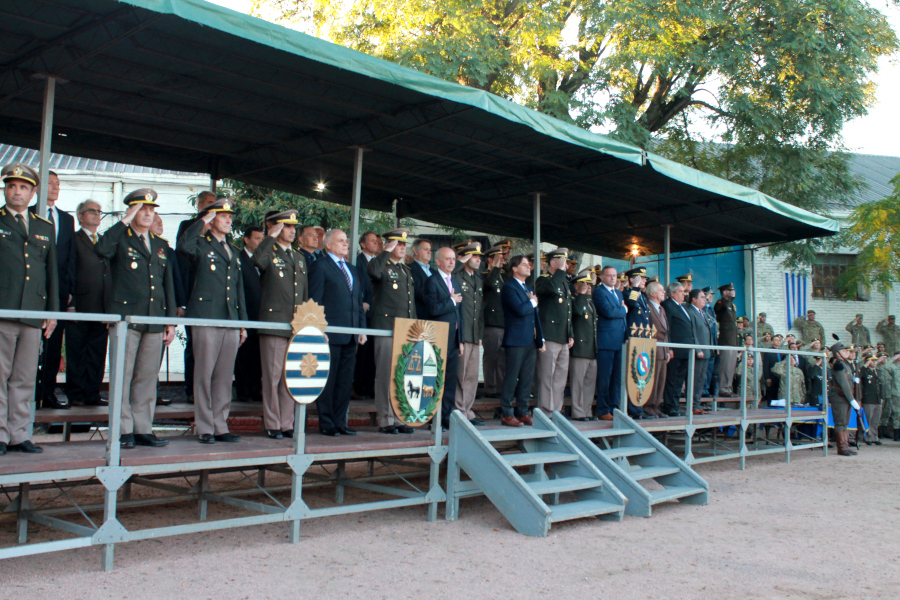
393	288
494	356
840	396
555	313
30	282
583	354
142	286
472	311
638	310
859	333
283	279
687	282
218	293
762	328
726	315
889	329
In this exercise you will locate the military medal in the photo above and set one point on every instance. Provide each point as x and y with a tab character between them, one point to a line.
134	265
212	267
395	286
281	273
560	300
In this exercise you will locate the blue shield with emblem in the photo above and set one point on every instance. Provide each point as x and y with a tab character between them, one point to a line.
420	375
307	364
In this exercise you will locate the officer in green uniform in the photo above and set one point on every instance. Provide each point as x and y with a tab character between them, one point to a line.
583	354
555	312
890	418
858	331
871	396
687	282
840	396
494	358
392	284
218	293
472	309
726	316
142	285
283	279
763	328
809	328
30	282
891	334
886	377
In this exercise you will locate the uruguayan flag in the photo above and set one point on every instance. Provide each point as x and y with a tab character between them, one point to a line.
307	364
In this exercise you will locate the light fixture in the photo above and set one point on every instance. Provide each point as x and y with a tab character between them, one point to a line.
320	187
634	251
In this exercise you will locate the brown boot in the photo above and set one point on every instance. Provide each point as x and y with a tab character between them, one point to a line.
843	443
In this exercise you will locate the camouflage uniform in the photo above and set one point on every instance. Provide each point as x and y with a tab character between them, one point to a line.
810	330
798	385
859	334
891	334
892	410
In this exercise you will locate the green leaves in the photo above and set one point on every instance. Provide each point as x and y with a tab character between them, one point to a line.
874	228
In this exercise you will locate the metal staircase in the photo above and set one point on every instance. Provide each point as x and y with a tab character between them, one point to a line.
550	469
631	458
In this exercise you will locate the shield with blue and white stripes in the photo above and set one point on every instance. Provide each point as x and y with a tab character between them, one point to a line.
307	364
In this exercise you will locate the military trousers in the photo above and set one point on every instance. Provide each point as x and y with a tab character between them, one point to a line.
278	404
890	416
20	345
583	384
215	349
494	360
142	352
727	365
873	417
552	368
467	379
840	410
384	412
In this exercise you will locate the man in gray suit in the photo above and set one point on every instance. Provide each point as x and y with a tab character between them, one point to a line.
702	337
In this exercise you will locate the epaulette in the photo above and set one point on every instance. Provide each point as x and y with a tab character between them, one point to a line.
545	274
159	237
36	216
838	366
634	295
2	212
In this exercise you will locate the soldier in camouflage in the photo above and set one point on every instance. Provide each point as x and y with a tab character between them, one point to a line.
797	392
809	328
891	334
858	331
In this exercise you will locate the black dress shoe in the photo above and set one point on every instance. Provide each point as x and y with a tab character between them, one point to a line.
389	429
405	429
127	441
148	439
274	434
55	404
345	431
27	447
160	401
2	448
476	422
330	432
206	438
228	438
288	433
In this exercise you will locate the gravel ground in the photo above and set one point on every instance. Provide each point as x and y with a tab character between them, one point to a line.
814	528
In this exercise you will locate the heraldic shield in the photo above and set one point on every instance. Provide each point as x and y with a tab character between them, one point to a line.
308	357
419	352
641	366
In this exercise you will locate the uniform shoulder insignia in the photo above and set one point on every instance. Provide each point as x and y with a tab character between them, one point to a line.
41	218
838	366
634	295
545	274
159	237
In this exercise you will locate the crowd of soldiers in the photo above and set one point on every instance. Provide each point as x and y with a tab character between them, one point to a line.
541	334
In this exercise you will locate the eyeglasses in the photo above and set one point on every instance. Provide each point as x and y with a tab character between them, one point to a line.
91	211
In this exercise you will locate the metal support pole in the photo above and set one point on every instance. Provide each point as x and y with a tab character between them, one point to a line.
116	391
753	314
297	480
689	388
212	183
536	272
46	140
356	201
742	430
623	365
667	244
787	408
825	407
437	433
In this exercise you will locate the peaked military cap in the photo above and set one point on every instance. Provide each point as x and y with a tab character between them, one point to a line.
460	246
399	235
584	275
142	196
494	250
642	271
572	259
288	217
558	253
727	286
473	249
684	278
810	312
706	290
622	277
654	279
20	171
507	243
223	205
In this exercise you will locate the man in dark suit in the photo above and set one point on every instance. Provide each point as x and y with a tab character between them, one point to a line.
186	275
247	366
702	337
443	295
769	360
364	374
421	272
92	294
522	337
308	240
64	227
611	312
681	331
335	284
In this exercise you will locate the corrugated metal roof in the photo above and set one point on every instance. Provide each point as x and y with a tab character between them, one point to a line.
876	173
61	162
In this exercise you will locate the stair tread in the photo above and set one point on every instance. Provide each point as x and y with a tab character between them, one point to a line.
584	508
536	458
672	493
564	484
611	432
623	451
516	433
652	472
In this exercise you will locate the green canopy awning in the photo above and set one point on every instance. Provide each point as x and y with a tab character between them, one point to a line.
190	86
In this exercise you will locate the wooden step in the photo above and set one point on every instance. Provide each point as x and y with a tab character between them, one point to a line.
673	493
582	509
611	432
652	472
538	458
627	451
563	484
509	434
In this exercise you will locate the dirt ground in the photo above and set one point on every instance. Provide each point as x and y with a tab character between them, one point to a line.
814	528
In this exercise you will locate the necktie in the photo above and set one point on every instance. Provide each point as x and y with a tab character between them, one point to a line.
144	241
449	284
346	274
50	216
225	249
21	221
94	237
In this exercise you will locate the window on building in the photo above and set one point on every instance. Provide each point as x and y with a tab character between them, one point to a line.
826	275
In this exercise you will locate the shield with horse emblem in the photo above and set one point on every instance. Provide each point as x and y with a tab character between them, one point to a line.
641	365
308	358
418	368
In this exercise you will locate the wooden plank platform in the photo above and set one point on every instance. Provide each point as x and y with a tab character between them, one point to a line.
718	418
56	457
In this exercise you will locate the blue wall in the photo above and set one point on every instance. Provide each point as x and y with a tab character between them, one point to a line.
710	270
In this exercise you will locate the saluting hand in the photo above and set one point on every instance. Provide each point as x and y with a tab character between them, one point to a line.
275	230
129	214
208	218
390	245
